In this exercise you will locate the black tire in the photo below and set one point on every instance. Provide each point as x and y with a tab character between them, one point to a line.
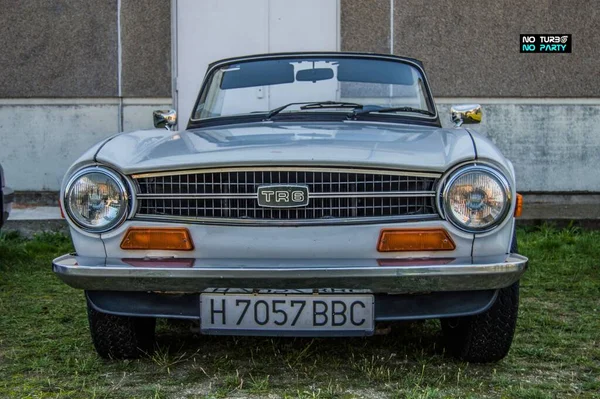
485	337
121	337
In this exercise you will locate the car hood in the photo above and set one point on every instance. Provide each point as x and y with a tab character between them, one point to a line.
382	145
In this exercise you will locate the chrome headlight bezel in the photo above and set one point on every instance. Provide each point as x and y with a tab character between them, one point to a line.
454	175
123	186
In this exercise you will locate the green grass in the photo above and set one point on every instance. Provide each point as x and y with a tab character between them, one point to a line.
45	349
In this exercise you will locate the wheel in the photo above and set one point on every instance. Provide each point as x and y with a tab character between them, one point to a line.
485	337
121	337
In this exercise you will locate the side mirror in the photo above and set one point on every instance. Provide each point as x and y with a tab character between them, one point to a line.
165	118
470	113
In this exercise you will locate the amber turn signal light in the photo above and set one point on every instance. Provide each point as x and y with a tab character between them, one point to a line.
170	239
415	240
519	206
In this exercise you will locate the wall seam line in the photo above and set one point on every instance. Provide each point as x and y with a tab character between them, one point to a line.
391	87
391	26
338	17
268	26
119	69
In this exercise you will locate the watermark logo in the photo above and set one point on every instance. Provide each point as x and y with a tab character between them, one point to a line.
546	43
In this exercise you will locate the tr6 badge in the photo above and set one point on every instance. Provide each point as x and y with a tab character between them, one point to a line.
282	196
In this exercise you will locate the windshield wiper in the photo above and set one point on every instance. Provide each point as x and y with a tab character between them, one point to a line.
376	108
313	105
332	104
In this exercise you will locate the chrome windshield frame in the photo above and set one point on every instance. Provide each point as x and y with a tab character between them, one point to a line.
195	123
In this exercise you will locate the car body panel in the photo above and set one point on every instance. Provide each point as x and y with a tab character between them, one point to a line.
487	151
500	238
86	159
498	242
376	145
311	242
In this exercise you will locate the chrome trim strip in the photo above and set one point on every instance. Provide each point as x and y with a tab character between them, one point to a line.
120	181
374	194
475	274
283	222
286	222
392	194
323	54
196	196
290	169
443	203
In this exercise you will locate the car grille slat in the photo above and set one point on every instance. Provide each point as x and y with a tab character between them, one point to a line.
335	195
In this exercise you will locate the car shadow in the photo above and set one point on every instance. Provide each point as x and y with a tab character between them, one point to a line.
404	342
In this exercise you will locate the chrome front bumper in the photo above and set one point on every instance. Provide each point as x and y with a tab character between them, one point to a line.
384	276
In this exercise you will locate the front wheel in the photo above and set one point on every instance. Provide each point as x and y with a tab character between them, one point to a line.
121	337
485	337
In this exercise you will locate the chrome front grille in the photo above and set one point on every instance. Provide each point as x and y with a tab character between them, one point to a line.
335	195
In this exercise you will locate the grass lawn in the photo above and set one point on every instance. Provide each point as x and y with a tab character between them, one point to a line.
46	352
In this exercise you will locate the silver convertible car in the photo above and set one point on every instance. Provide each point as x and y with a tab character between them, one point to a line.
309	194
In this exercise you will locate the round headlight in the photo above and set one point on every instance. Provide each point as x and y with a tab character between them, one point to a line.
96	199
476	198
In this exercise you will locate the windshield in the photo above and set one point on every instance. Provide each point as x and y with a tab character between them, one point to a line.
259	86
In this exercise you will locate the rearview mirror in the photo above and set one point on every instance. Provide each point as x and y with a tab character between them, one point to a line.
470	113
165	118
314	74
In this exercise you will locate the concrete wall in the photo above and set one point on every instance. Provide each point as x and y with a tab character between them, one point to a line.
554	144
75	71
146	48
541	110
39	139
471	49
59	48
85	48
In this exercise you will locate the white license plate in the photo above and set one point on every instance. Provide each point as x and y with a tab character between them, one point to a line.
299	315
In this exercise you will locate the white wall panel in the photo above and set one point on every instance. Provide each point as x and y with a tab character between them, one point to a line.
209	30
308	25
